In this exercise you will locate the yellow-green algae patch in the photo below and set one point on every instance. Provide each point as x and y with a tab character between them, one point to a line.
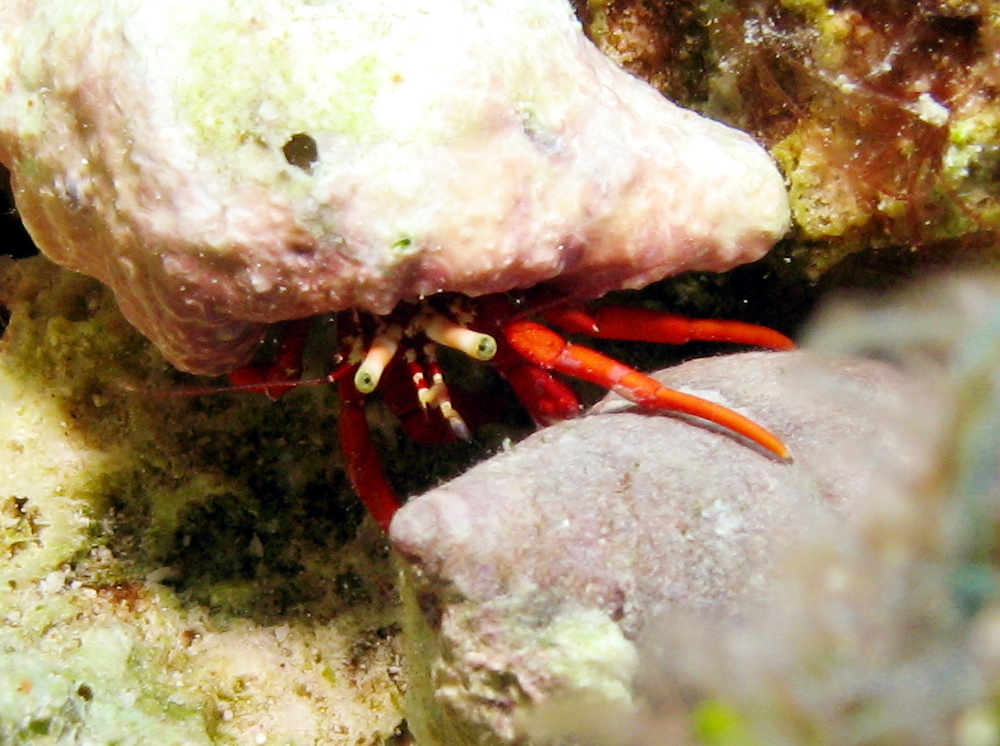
881	116
286	77
341	76
175	569
514	669
595	664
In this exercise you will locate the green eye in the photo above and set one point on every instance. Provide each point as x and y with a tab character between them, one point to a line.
365	381
486	348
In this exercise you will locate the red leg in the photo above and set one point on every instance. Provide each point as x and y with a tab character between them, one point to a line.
643	325
547	349
547	399
399	389
363	465
280	377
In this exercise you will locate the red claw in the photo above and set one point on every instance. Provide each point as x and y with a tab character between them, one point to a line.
547	349
547	399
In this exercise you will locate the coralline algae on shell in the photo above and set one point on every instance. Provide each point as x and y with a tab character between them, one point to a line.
226	165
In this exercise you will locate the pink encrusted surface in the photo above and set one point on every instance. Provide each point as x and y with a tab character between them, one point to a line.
633	512
630	517
497	149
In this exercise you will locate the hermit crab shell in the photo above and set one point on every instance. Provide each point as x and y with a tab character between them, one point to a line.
227	165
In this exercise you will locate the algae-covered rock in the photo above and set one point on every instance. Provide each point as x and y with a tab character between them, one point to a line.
175	569
881	115
877	622
882	118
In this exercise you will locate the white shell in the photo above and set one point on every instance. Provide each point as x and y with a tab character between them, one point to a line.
461	145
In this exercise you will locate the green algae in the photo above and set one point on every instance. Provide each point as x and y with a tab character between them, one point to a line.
101	692
228	112
159	548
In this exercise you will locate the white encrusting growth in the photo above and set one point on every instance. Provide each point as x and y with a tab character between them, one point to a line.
223	166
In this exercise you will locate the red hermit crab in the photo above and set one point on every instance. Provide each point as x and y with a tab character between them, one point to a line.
226	166
525	353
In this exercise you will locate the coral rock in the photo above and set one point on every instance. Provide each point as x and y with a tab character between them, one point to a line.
529	577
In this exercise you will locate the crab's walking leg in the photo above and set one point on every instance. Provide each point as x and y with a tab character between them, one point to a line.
441	397
547	399
547	349
280	377
363	465
644	325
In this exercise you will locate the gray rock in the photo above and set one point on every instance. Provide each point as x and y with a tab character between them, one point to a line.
527	578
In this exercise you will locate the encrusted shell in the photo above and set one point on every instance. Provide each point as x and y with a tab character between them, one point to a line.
226	165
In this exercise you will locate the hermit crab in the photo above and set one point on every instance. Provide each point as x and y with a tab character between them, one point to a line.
453	167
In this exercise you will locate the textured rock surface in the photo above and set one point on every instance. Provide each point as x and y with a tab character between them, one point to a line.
175	570
881	115
888	630
226	166
529	576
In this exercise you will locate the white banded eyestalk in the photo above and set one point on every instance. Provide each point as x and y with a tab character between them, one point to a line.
379	355
475	344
